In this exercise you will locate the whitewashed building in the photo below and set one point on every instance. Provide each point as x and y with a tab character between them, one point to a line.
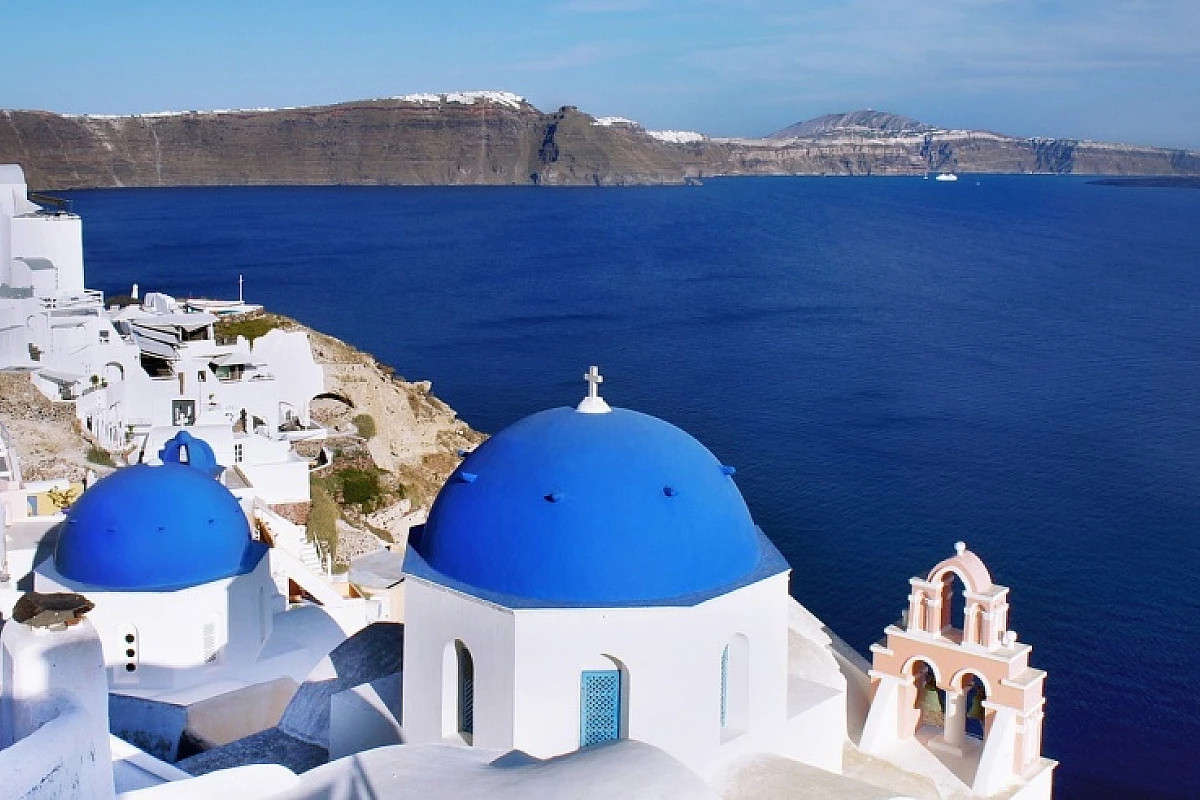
590	612
593	574
138	375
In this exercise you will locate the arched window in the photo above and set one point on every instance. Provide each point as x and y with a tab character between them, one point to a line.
466	692
458	692
953	601
735	687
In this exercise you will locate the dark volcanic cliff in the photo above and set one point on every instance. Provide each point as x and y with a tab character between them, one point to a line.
386	142
491	141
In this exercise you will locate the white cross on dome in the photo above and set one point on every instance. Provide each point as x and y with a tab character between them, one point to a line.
593	403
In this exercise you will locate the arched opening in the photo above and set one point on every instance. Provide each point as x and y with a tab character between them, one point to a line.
604	702
336	396
458	692
953	600
735	687
929	699
114	372
971	720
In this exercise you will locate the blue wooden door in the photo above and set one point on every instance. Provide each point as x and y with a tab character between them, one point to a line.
599	707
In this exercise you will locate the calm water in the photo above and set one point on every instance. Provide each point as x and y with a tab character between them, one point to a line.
892	364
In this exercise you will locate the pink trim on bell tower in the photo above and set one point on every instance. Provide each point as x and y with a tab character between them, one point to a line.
927	665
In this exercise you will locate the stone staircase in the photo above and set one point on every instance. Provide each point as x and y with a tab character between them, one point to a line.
290	538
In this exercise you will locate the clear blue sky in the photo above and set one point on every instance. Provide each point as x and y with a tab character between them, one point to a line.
1121	70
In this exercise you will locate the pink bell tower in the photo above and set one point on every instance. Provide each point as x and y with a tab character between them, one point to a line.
928	664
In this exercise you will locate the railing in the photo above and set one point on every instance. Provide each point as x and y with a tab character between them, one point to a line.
87	297
290	537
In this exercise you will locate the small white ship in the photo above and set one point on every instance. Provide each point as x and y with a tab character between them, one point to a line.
946	176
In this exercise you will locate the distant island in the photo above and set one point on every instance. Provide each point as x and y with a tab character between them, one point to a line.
498	138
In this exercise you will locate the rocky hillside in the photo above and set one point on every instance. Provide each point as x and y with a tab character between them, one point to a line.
868	121
46	434
417	438
391	444
500	139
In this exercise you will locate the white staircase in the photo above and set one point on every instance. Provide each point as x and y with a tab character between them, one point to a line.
290	538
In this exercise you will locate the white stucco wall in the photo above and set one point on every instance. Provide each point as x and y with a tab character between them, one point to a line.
53	714
169	628
434	618
57	237
279	482
14	335
672	660
298	376
528	666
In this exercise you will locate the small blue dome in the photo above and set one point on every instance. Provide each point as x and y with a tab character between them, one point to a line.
148	528
611	508
183	448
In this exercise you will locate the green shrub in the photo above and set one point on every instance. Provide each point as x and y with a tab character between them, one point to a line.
96	455
323	513
250	327
361	487
365	424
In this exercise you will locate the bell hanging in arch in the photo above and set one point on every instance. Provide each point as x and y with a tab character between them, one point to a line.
929	700
976	710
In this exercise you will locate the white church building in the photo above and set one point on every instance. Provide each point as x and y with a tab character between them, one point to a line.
594	574
590	611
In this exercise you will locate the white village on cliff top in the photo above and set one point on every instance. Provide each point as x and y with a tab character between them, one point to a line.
589	609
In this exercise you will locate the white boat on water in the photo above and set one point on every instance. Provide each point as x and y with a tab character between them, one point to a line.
222	307
946	176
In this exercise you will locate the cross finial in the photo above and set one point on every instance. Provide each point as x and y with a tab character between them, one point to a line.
594	379
593	403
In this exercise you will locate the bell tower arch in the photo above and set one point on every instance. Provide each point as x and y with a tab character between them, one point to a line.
970	666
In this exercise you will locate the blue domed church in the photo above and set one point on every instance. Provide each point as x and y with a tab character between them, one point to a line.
592	574
182	589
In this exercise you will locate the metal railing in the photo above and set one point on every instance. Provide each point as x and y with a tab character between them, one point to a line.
86	297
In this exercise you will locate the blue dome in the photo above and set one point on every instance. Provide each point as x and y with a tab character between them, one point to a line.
610	508
155	528
183	448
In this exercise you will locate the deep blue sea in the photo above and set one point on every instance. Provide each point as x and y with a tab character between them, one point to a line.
892	364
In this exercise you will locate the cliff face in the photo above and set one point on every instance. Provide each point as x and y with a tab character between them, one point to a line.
865	153
508	142
375	142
